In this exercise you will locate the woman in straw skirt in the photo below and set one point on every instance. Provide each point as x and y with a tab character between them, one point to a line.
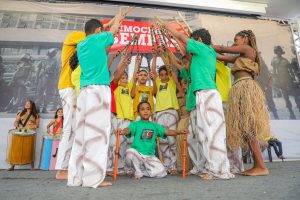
247	114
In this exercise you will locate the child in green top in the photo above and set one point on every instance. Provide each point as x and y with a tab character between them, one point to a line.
210	120
141	156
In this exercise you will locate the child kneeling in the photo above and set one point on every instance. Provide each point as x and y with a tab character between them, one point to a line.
140	158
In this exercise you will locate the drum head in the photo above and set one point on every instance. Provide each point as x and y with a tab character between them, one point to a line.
21	131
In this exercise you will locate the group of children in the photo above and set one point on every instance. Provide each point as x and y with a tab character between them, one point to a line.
185	104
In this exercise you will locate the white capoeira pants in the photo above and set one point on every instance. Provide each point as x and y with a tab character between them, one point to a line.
118	123
235	160
142	165
68	98
169	120
211	130
194	146
87	166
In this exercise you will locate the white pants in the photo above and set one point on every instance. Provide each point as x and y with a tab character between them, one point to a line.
68	98
194	147
143	165
169	120
236	160
87	166
212	133
120	123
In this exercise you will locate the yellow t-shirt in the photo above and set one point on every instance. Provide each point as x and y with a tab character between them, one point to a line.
223	80
75	79
166	95
123	103
68	49
142	93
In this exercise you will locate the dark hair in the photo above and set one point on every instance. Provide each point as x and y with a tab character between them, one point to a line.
252	41
203	34
74	61
140	104
143	70
56	116
162	68
91	26
33	110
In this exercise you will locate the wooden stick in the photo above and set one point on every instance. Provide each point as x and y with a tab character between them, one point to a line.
160	157
116	156
178	22
184	21
184	156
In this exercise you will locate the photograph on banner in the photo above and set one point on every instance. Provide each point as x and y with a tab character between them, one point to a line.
30	66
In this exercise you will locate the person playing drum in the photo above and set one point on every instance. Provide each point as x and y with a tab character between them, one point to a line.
27	119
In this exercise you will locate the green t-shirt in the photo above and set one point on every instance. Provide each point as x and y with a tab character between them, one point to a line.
203	65
144	134
93	59
190	96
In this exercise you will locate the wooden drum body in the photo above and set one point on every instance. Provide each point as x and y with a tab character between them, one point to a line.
21	148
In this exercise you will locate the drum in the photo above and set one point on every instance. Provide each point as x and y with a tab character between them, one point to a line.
49	154
54	151
46	155
21	146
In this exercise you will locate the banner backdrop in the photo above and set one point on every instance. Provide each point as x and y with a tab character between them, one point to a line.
32	34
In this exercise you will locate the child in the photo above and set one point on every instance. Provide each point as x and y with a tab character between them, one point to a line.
140	92
166	112
89	153
68	98
140	157
57	123
210	122
195	148
246	121
124	114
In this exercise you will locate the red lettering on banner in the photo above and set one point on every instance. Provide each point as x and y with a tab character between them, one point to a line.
142	29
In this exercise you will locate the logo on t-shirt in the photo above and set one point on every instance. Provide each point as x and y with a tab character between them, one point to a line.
163	87
144	97
124	91
147	134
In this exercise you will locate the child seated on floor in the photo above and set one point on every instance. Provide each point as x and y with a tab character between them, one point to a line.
140	157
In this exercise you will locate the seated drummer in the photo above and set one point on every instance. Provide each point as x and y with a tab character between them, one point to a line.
27	119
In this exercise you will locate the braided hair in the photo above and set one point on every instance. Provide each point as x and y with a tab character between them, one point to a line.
252	42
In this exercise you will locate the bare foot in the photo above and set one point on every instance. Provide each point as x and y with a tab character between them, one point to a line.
189	174
109	173
136	177
122	174
12	168
173	172
207	177
202	175
105	184
255	171
62	175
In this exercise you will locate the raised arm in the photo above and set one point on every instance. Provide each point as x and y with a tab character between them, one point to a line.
239	49
124	62
117	21
135	74
177	34
230	59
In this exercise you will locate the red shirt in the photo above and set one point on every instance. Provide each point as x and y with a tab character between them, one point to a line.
113	86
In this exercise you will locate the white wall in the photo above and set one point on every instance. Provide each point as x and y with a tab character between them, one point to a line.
288	131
